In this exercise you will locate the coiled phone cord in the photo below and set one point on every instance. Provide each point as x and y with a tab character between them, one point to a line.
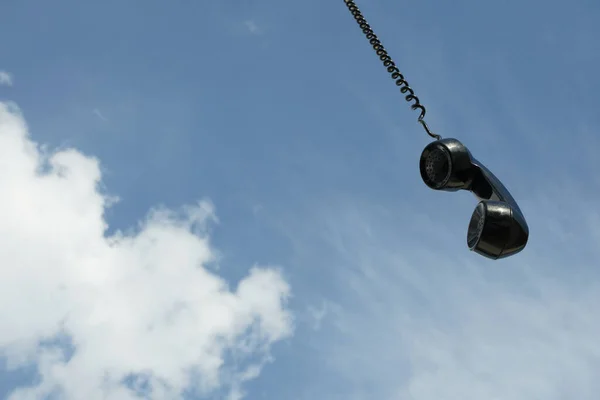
390	65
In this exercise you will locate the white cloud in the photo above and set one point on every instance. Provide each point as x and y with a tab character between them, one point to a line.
252	27
140	305
99	114
317	314
5	78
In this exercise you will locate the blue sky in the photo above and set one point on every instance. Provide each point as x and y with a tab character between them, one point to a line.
279	119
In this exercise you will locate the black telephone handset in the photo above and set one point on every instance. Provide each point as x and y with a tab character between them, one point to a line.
497	228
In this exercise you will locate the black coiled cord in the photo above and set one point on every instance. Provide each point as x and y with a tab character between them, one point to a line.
390	65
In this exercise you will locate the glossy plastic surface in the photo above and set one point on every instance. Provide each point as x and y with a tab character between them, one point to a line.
497	228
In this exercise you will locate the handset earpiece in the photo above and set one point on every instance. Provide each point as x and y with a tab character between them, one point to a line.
497	228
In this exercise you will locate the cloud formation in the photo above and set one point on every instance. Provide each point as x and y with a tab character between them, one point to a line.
419	324
5	78
136	312
252	27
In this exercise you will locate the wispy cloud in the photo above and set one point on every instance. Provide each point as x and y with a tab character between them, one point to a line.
252	27
5	78
99	114
414	322
317	314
